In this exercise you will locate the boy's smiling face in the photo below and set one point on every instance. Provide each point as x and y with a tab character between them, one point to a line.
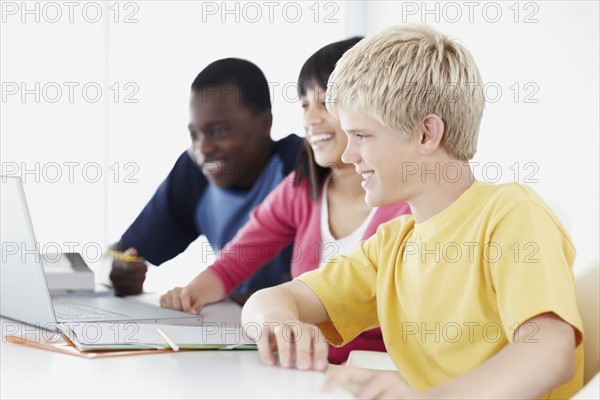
382	155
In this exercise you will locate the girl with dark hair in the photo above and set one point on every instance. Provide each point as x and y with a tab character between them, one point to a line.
320	207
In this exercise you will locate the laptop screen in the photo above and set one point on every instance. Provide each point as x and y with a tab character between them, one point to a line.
24	292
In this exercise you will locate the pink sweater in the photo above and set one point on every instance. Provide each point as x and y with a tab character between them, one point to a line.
288	215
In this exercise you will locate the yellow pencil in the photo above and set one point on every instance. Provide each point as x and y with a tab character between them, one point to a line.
118	255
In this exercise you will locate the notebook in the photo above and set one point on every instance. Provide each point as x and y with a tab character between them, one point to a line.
92	336
24	291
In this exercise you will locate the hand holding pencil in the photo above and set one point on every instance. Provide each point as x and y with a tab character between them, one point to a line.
128	272
129	256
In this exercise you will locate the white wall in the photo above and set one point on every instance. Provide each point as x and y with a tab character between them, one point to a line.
53	133
547	136
152	50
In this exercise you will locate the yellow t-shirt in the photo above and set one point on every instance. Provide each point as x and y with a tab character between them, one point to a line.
450	292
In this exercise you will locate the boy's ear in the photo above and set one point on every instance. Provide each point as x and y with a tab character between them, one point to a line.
265	121
431	131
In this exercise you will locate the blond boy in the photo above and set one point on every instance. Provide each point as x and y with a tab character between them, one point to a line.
474	291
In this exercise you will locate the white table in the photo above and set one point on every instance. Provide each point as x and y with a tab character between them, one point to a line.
27	372
33	373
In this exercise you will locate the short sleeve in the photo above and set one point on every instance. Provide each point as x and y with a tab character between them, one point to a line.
530	263
347	289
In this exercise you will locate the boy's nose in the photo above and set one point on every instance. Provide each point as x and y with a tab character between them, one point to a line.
207	146
351	155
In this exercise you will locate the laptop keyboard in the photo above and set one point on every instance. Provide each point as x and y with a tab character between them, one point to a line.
66	311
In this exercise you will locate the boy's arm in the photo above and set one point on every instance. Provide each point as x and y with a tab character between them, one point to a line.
339	297
527	368
523	370
163	229
165	226
282	319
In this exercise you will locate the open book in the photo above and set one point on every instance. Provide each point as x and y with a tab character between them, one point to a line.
94	336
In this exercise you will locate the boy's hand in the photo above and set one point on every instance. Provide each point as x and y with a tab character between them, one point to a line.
298	344
272	317
371	384
128	277
203	289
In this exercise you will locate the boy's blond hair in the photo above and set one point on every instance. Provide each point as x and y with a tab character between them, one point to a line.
406	72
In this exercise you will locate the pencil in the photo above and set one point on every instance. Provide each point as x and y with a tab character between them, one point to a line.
167	339
117	255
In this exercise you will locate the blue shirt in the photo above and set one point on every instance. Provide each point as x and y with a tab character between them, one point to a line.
186	206
221	212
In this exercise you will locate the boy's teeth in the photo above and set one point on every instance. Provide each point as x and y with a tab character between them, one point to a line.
367	175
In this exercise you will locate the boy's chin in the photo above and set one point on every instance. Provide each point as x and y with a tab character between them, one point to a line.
377	200
373	200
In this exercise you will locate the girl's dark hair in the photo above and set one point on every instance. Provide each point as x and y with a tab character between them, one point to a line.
316	70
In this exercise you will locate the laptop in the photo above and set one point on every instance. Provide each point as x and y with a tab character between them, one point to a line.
24	294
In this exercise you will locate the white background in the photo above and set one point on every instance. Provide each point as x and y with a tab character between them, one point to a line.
540	62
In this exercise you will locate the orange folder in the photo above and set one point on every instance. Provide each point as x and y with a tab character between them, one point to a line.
61	344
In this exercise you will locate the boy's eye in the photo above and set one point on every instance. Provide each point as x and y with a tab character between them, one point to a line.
218	133
304	105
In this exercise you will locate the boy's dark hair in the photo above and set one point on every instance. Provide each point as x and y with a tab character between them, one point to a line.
316	70
249	79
